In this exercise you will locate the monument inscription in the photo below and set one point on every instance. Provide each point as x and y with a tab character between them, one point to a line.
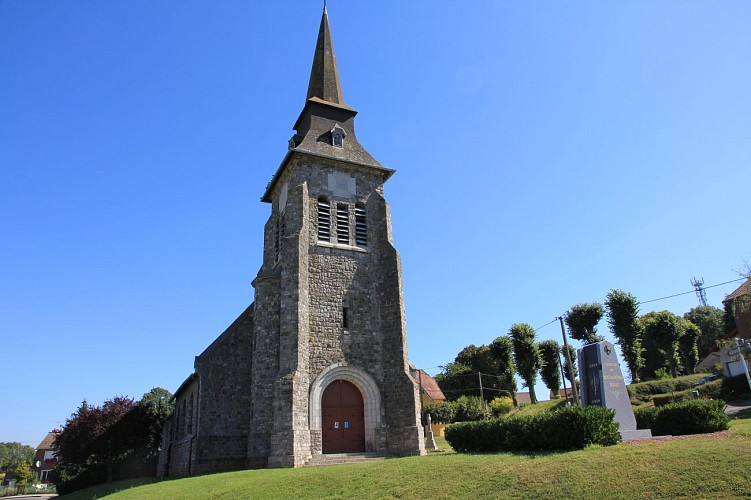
602	384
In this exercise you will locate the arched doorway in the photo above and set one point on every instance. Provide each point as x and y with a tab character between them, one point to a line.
343	418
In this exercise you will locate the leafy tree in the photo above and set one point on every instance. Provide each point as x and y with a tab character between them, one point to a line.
728	319
12	454
710	321
158	402
502	350
687	346
460	377
96	442
662	333
526	355
457	379
572	355
24	476
582	321
623	312
551	365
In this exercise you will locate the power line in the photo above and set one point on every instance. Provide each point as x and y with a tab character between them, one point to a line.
690	291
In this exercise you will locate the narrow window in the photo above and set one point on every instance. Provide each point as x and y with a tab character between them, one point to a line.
361	226
324	219
279	237
345	317
342	224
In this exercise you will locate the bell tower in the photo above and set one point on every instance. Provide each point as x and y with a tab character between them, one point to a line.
329	348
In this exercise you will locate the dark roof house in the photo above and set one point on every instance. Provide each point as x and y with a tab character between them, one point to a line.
739	301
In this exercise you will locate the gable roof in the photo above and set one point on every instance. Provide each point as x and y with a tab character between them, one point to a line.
428	384
48	443
744	289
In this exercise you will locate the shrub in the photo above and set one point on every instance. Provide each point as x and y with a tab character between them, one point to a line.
645	390
501	406
698	416
645	418
440	413
469	408
568	428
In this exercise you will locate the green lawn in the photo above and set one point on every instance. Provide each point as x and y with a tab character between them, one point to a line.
701	467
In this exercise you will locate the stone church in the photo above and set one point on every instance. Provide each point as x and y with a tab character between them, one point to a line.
317	364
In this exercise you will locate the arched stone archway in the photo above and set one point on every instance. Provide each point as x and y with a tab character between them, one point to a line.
370	394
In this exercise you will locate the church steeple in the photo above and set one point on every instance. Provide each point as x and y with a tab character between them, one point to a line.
326	126
324	75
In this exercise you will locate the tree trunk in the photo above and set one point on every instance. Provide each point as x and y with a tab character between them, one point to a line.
532	396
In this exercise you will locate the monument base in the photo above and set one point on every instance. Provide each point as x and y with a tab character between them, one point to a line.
430	441
637	434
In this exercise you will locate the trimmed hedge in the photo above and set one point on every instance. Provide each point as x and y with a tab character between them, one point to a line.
566	429
699	416
644	390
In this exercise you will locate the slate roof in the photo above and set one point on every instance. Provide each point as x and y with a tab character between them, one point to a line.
324	75
324	109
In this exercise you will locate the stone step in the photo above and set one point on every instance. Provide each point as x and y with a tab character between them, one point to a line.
342	458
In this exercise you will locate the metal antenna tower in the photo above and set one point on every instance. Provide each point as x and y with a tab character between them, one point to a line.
698	285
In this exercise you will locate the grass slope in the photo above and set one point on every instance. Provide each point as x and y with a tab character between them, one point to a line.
696	467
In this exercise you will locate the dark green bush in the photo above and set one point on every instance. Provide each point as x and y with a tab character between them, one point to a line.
645	418
698	416
440	413
469	408
565	429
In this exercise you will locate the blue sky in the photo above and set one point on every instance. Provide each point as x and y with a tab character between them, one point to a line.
546	152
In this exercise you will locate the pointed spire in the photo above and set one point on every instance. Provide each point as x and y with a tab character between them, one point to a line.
324	76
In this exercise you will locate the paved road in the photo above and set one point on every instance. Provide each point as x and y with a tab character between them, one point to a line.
29	497
737	406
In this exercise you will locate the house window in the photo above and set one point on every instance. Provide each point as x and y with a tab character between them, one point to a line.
342	224
324	219
44	476
345	318
361	226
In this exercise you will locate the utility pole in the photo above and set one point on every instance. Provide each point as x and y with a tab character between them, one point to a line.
563	379
570	364
485	408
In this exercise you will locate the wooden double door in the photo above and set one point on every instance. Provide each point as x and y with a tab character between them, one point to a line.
343	418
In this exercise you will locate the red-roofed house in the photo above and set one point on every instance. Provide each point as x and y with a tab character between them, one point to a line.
429	391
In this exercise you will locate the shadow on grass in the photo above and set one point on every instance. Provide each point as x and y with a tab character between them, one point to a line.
102	490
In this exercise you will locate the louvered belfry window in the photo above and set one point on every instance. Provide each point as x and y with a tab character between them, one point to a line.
279	241
342	224
361	226
324	219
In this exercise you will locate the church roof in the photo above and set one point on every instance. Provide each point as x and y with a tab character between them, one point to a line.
324	75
